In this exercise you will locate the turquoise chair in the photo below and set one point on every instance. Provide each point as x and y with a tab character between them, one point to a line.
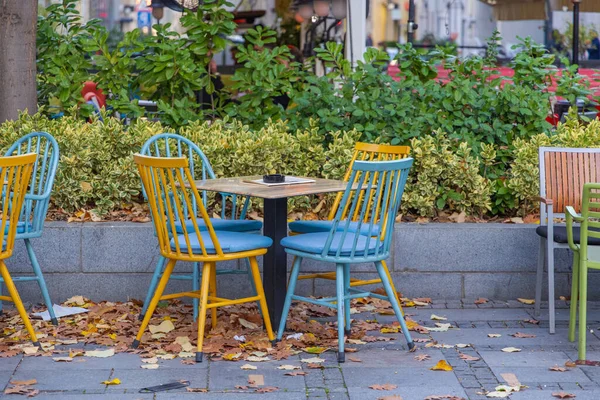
173	145
369	240
37	200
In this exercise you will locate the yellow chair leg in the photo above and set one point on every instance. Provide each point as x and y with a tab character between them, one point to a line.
154	302
14	295
213	293
261	293
204	289
387	272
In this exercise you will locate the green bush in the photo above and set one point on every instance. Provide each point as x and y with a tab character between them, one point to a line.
96	169
524	172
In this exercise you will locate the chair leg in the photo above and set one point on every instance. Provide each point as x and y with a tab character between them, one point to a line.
288	297
539	276
262	301
574	296
392	299
160	265
40	278
550	259
339	280
162	284
204	289
348	326
1	302
583	275
251	279
387	272
213	292
14	295
195	287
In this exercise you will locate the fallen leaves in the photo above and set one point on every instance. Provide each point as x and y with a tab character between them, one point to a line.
439	327
296	373
438	318
570	364
315	350
196	390
467	357
247	324
444	397
313	360
62	359
354	359
532	321
28	382
100	353
165	327
526	301
523	335
149	366
556	368
115	381
481	300
267	389
563	395
422	357
442	365
511	349
391	397
494	335
387	386
288	367
248	366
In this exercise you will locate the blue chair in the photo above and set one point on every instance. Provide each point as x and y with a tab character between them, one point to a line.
37	200
380	185
173	145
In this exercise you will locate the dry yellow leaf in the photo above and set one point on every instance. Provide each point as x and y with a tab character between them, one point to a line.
164	327
115	381
442	365
526	301
438	318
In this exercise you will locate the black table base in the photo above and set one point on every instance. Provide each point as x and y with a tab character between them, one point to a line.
275	261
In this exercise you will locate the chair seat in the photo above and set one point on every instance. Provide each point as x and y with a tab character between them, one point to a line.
229	225
314	243
325	226
231	242
560	234
20	227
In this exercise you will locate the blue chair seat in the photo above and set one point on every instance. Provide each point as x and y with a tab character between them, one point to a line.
229	225
20	227
314	243
231	242
325	226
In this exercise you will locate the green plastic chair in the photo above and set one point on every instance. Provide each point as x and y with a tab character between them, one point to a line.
380	184
585	256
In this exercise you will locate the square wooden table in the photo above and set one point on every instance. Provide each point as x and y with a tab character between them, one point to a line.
275	225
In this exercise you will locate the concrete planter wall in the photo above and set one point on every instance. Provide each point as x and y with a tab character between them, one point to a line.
114	261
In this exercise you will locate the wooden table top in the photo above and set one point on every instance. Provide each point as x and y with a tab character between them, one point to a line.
239	185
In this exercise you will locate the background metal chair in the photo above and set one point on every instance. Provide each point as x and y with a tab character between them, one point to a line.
375	203
37	200
563	172
15	173
173	145
165	181
585	257
362	152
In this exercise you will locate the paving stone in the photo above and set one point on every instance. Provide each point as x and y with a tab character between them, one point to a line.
90	396
541	374
9	364
88	380
524	358
278	395
140	378
406	392
121	361
225	376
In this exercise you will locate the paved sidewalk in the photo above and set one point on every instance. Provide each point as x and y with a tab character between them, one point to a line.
381	363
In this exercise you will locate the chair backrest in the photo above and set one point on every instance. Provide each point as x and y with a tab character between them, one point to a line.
382	184
15	173
590	214
37	199
563	172
174	145
170	189
369	152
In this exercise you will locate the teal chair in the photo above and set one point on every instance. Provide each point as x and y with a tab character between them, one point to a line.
586	256
173	145
37	200
368	239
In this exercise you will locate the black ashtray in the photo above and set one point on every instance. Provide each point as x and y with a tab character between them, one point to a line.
273	178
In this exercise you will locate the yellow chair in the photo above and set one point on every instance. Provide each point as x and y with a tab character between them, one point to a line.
15	173
362	152
170	188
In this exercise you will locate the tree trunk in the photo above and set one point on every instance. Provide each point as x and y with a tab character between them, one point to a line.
18	23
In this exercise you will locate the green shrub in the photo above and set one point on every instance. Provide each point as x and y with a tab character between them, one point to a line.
524	170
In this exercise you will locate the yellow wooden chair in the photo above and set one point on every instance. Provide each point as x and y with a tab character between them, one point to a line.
170	188
15	173
362	152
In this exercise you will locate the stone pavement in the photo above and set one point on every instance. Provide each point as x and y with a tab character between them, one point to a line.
381	363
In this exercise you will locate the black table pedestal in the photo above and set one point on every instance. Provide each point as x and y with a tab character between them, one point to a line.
275	261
